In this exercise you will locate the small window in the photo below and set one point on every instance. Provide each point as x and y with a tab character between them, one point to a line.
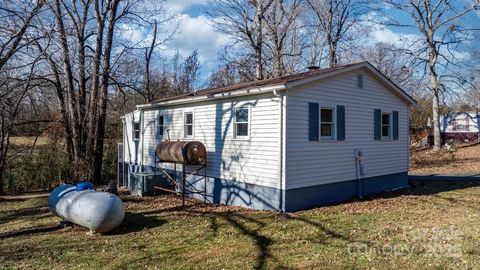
136	131
160	125
327	124
188	124
460	124
386	125
241	122
359	81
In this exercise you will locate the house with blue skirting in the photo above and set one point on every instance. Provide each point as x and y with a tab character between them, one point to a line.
287	143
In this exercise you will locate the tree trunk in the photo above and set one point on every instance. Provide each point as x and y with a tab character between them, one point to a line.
277	64
437	143
100	134
435	86
78	164
259	41
332	52
2	169
92	113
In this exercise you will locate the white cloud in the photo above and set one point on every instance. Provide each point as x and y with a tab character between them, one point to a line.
182	5
130	33
386	35
196	33
461	55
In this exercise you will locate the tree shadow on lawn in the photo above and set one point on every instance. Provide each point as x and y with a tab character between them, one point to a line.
251	227
430	188
24	213
30	231
421	188
135	222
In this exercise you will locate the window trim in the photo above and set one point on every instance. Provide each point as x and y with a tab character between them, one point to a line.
135	130
235	136
333	137
466	124
158	125
390	126
185	124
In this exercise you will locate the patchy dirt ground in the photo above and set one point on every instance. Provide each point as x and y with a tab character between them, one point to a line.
430	226
465	161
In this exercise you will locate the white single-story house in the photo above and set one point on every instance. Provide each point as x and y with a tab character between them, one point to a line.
460	127
288	143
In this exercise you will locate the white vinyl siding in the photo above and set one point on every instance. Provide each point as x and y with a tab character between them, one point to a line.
130	145
254	161
460	122
309	163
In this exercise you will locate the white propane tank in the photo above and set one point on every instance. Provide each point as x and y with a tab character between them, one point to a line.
98	211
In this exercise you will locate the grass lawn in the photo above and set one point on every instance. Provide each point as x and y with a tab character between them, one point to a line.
465	161
432	226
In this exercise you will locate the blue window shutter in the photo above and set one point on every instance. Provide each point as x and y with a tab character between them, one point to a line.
340	123
395	125
377	124
313	130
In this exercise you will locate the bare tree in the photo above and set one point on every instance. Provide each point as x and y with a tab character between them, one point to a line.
244	21
441	30
397	65
16	76
10	43
148	61
335	18
280	24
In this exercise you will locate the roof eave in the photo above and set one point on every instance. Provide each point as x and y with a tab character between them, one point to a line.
237	93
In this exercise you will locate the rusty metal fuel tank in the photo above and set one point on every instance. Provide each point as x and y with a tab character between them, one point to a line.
186	152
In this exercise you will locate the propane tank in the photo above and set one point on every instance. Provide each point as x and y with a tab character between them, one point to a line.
81	204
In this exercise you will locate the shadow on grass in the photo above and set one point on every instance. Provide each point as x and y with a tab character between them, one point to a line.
135	222
30	231
250	227
7	199
24	213
421	188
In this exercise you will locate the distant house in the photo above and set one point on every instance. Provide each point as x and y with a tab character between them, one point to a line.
287	143
460	127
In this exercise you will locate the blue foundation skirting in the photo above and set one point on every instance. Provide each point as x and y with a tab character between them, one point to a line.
312	196
229	192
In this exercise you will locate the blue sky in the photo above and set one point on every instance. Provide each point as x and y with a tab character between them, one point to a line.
196	32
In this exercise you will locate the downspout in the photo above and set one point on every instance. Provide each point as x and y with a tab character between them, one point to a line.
281	138
358	155
123	154
142	122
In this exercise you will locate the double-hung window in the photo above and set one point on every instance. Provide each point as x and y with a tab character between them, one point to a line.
386	125
136	131
241	122
160	125
327	123
188	124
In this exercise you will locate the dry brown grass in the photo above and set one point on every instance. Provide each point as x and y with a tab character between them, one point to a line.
465	161
28	141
